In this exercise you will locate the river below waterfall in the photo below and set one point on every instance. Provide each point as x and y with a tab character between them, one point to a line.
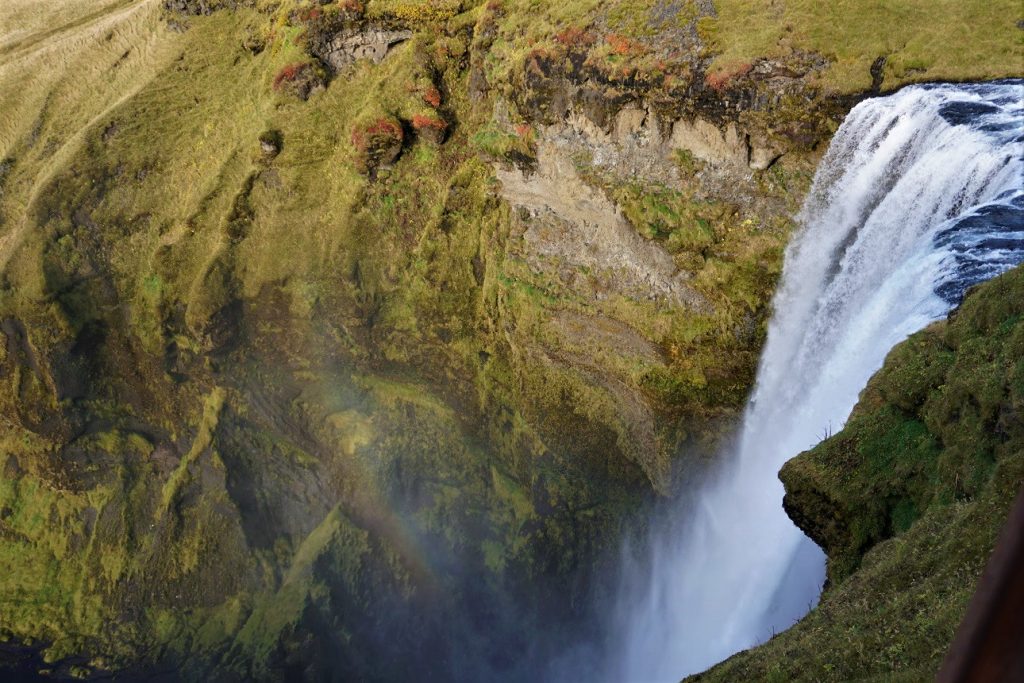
919	197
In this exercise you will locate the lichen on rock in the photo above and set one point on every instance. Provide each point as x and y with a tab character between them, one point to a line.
366	43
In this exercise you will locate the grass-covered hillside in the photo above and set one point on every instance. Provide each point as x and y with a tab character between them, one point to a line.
330	330
908	500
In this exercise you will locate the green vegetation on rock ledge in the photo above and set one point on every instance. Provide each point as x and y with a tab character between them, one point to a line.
281	354
907	500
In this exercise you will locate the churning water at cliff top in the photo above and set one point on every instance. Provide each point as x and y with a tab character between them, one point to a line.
920	196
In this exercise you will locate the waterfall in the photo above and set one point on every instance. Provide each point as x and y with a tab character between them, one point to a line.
920	196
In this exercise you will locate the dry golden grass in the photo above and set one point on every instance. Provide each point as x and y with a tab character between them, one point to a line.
23	22
61	76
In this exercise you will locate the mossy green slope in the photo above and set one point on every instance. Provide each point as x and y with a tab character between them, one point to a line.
240	387
908	500
274	363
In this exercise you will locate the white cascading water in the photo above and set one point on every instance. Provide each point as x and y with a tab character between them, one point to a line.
920	195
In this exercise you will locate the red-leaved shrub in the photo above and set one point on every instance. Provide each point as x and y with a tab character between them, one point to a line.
719	80
430	127
575	36
377	142
299	79
287	74
621	45
421	121
432	97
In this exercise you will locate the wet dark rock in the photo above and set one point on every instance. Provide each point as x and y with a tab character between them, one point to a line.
877	74
965	113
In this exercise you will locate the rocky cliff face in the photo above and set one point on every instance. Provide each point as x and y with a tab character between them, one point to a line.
331	331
